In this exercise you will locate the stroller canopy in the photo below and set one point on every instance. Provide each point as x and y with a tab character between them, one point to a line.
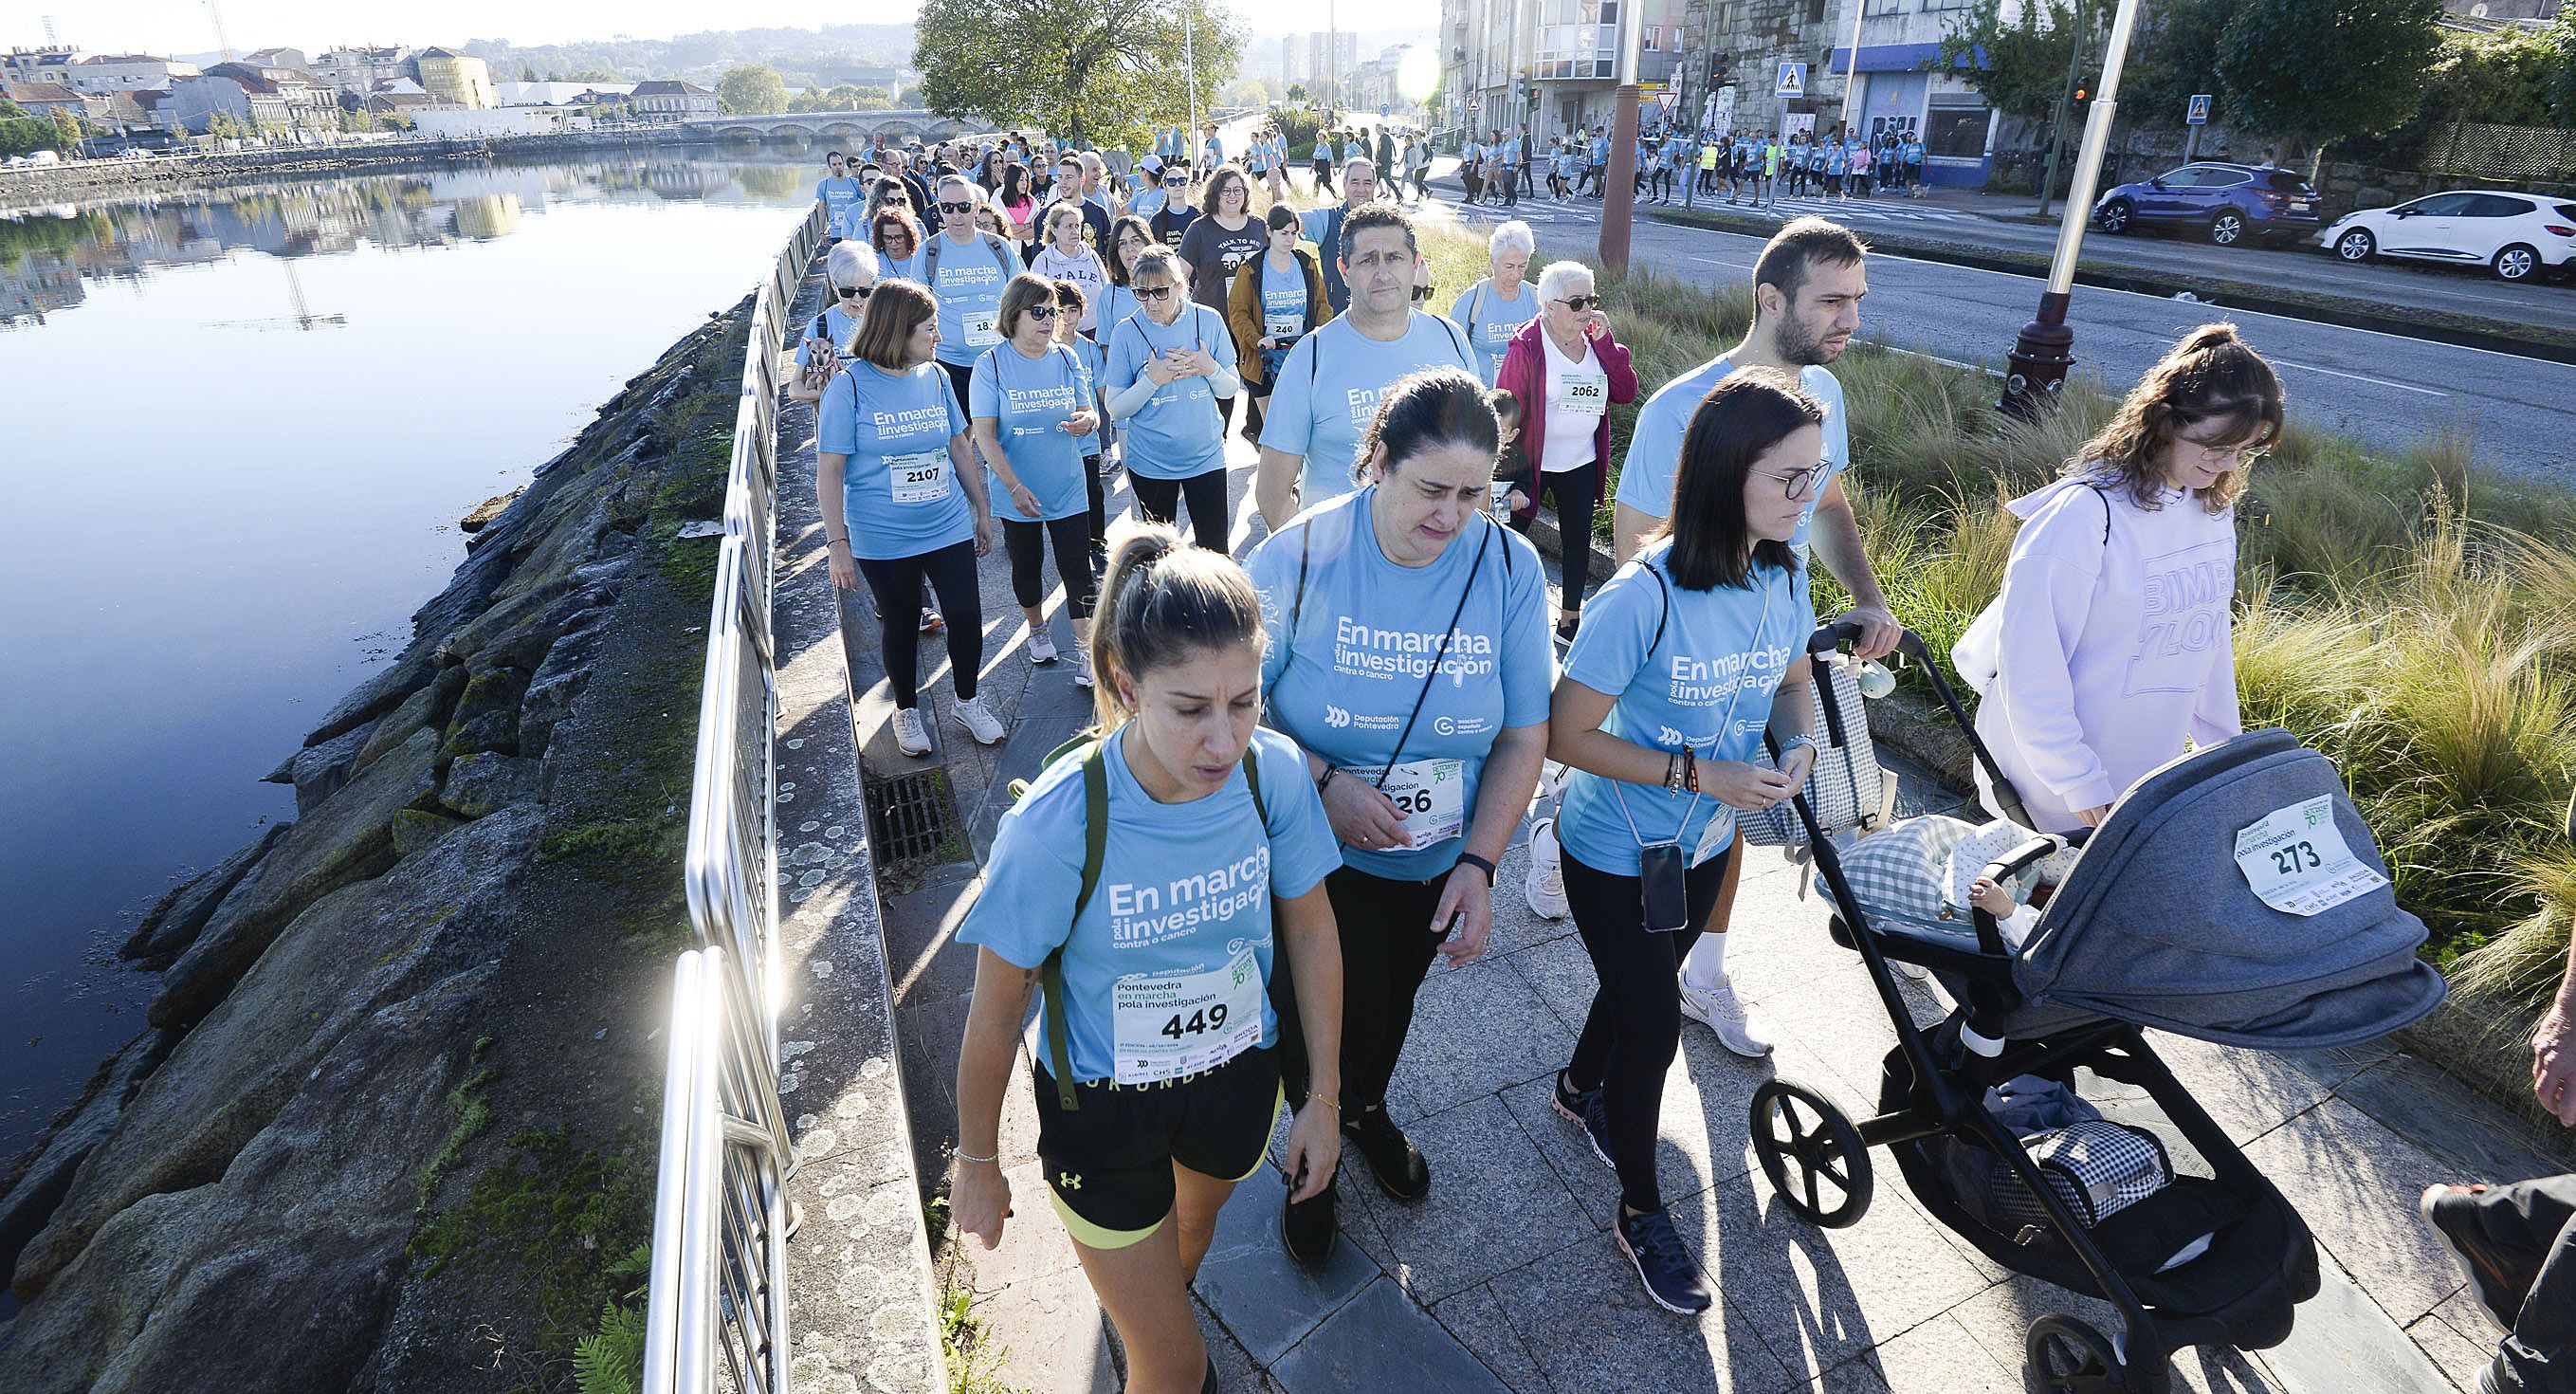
2175	915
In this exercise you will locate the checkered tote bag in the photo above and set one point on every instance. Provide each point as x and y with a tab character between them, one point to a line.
1847	789
2098	1168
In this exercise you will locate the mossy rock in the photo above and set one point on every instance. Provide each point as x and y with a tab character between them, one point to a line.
414	830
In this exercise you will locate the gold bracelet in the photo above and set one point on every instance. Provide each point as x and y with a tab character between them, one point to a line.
1326	1100
965	1156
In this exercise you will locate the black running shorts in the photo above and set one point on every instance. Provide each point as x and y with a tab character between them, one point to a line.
1109	1162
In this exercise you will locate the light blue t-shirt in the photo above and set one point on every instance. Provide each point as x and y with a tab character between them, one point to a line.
1117	304
1029	403
1707	683
1184	887
1283	308
1600	150
839	196
1149	202
899	489
1368	632
891	268
1178	433
1327	390
969	291
1913	152
837	327
1837	159
1655	443
1491	321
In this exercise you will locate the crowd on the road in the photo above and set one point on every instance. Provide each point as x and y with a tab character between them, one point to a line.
1309	762
1745	166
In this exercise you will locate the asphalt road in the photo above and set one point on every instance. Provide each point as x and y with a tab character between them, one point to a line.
2390	391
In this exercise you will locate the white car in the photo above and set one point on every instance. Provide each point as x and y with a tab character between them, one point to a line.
2515	235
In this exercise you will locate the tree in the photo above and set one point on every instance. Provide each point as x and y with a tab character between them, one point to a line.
2316	71
2561	38
753	89
2173	57
1297	94
1105	71
1254	91
2024	72
22	131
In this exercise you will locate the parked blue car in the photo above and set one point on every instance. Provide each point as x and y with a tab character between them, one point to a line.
2227	203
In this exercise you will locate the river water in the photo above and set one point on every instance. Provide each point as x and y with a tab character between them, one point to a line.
240	426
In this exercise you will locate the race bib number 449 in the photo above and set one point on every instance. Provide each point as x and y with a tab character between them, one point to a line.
2296	860
1173	1024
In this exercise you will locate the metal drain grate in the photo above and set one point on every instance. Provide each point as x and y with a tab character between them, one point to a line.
910	816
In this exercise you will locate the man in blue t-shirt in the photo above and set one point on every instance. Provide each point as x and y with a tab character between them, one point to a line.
840	196
1326	391
1323	227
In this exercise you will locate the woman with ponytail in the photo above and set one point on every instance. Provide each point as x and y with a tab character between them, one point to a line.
2111	642
1141	879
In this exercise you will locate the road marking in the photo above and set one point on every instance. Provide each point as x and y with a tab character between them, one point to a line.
1988	370
2359	377
1721	261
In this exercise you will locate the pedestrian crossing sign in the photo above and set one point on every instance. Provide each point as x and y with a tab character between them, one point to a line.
2199	113
1793	81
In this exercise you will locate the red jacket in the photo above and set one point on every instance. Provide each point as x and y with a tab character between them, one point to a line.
1524	375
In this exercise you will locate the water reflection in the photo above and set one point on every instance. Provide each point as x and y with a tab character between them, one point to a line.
47	255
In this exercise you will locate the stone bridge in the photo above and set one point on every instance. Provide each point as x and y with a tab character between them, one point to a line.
852	128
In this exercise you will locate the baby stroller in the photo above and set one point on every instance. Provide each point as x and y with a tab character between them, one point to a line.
2153	926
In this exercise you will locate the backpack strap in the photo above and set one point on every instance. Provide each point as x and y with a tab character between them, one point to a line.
1095	848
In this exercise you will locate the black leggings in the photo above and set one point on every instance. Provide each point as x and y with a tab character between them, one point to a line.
1387	948
1071	537
1160	500
1099	517
896	583
1577	493
1635	1026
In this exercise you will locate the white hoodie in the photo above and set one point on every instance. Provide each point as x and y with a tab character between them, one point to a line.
2108	646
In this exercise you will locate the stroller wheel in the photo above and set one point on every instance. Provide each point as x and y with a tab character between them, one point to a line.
2069	1357
1812	1154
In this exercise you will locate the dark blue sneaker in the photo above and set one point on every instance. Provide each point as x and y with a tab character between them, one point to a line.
1583	1106
1655	1247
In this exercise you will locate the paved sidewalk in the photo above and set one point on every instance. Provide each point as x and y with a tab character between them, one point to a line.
1506	1278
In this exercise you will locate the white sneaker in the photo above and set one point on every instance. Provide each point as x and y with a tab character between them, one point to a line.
979	722
1544	887
909	736
1041	646
1081	666
1721	1012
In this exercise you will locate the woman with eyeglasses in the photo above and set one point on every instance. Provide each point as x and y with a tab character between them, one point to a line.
1692	650
988	171
2110	644
1567	371
850	273
1064	256
1030	401
1171	222
903	502
1277	298
1129	239
896	235
1225	238
1167	368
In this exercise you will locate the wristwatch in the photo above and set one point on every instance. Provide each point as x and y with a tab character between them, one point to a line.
1471	859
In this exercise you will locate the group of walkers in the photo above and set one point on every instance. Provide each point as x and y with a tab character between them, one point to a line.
1742	166
1308	766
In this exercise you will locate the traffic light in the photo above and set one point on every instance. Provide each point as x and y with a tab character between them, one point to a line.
1721	69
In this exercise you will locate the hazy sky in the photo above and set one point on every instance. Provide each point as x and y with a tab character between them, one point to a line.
182	26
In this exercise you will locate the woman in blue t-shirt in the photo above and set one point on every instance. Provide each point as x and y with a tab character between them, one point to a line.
903	502
1069	306
1276	298
1168	365
896	235
1683	659
1151	881
1410	659
1030	399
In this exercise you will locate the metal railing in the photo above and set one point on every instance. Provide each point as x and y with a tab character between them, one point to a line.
719	1218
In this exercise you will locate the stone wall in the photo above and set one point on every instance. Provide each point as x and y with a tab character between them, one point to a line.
389	1124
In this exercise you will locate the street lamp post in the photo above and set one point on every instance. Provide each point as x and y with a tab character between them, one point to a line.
1619	201
2042	355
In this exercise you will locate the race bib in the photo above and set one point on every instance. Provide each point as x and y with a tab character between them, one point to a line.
2296	860
1581	391
1432	796
1173	1024
983	328
920	477
1282	325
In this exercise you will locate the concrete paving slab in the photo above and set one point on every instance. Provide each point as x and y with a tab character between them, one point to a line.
1475	1317
1268	1301
2427	1107
1823	1297
1477	1031
1940	1357
2355	1183
1034	1242
1589	1326
2457	1357
2248	1092
2343	1341
1494	1204
1999	1319
1051	1337
1236	1371
1381	1340
923	956
1560	972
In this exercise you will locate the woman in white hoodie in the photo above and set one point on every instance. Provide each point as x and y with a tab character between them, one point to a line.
2110	645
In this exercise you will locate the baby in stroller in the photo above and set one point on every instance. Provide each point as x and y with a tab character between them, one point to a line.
1930	872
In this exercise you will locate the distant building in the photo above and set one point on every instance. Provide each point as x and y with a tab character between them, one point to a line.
1289	50
1900	87
46	64
1329	57
244	96
277	58
50	100
672	101
308	100
126	72
360	68
560	94
460	78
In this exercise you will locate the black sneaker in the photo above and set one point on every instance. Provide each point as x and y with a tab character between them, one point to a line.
1306	1228
1655	1247
2446	1211
1209	1385
1392	1158
1583	1106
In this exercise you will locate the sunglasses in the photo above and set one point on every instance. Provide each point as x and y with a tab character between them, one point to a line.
1154	292
856	292
956	208
1043	314
1422	292
1579	303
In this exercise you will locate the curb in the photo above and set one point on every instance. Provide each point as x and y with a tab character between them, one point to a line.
2493	336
